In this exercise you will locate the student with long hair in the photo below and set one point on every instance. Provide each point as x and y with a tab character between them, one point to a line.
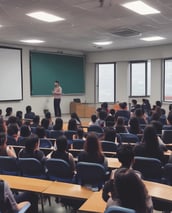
130	192
4	149
92	151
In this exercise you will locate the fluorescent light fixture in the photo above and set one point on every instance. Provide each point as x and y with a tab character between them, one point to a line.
140	8
43	16
102	43
32	41
153	38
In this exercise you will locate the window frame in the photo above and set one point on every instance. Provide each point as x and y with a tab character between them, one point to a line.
163	79
146	79
97	81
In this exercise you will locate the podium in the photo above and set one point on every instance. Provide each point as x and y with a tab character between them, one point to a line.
83	110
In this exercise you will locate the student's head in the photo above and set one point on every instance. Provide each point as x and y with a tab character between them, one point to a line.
93	118
48	115
61	143
134	125
36	119
104	106
58	124
158	103
139	112
45	123
3	138
123	105
12	120
102	115
19	114
125	155
40	132
131	191
109	134
25	131
12	129
92	144
150	137
158	126
134	101
120	121
31	142
110	121
112	112
28	108
9	111
72	124
80	133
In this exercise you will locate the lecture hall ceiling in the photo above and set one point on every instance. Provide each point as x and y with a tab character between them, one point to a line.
86	21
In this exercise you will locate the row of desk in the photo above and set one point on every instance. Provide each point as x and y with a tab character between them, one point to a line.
93	200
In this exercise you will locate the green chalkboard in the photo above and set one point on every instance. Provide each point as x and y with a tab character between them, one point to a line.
45	68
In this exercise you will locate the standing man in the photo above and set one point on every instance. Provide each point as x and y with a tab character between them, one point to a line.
57	93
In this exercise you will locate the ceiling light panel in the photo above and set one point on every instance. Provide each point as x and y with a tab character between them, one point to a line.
140	8
43	16
32	41
153	38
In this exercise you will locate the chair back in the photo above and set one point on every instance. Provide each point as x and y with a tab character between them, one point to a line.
45	143
78	143
95	128
119	209
9	165
108	146
31	167
55	133
128	138
150	168
93	174
168	173
60	170
167	136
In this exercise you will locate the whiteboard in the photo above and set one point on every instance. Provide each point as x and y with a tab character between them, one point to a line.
10	74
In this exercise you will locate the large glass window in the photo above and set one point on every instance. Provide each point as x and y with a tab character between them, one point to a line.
105	82
140	74
167	80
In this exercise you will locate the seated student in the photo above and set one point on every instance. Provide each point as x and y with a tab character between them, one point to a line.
29	114
92	151
36	121
58	124
109	134
11	203
101	118
4	149
76	117
120	125
19	116
79	134
123	112
130	192
150	145
9	111
3	126
61	152
93	120
134	126
110	121
45	123
12	134
41	133
125	156
25	131
48	116
31	149
72	124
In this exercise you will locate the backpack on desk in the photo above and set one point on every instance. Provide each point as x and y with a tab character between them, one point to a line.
5	206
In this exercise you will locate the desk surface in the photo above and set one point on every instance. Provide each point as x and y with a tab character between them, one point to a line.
68	190
26	184
113	163
97	205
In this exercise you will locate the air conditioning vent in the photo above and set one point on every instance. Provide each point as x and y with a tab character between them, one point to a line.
125	32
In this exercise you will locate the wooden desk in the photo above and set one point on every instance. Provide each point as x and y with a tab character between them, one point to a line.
26	184
94	204
68	190
97	205
83	110
113	163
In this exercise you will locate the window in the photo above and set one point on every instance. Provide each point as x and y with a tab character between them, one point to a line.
105	82
167	80
140	76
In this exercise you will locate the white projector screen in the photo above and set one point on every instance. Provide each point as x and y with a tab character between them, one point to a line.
10	74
